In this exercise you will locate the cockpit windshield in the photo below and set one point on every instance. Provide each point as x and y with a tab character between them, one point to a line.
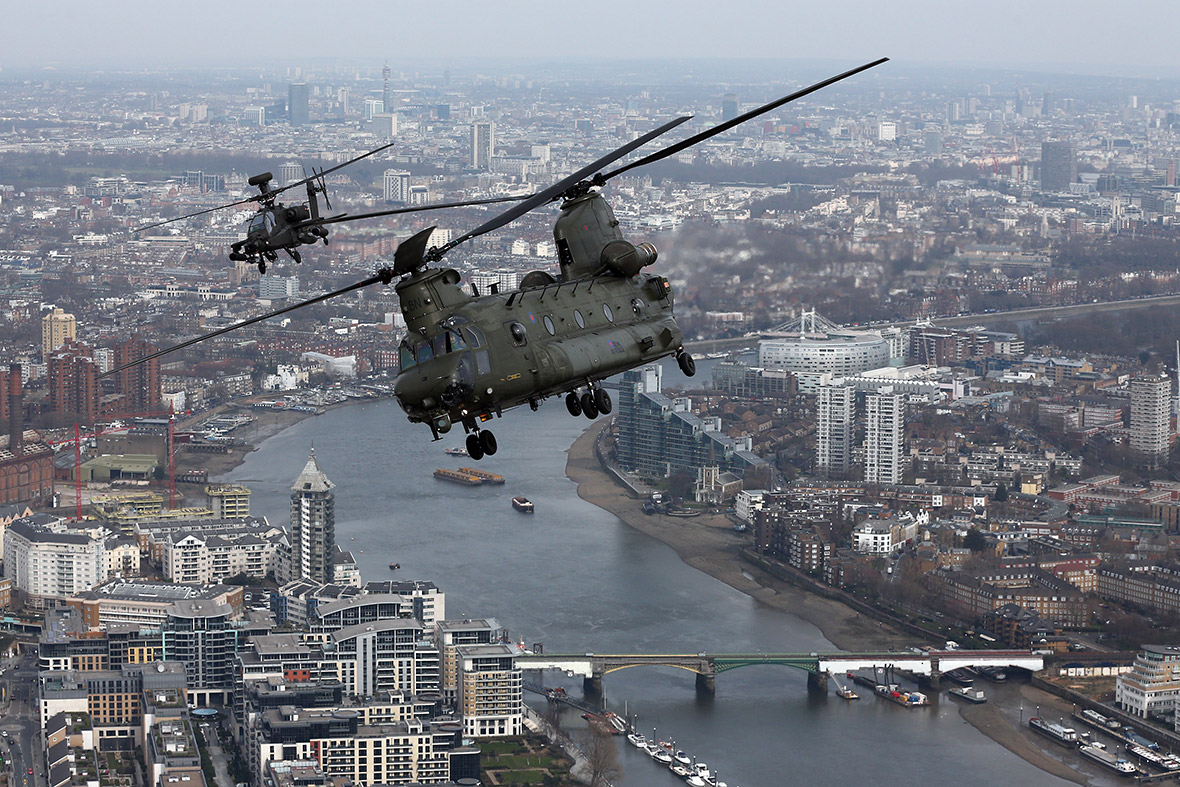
263	221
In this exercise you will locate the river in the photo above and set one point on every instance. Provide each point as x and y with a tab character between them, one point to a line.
577	579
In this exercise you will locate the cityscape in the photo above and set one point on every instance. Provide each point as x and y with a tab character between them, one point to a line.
925	458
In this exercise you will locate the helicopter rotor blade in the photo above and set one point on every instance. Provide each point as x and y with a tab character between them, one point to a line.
255	198
438	206
672	150
379	277
323	189
319	175
541	197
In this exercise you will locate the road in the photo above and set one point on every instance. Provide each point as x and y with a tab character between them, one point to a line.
20	720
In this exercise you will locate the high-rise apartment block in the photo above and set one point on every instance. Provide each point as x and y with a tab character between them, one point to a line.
1059	166
884	437
74	391
397	185
299	104
313	524
483	144
139	384
835	429
57	328
1151	414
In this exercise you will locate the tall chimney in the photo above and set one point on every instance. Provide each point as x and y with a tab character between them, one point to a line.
16	409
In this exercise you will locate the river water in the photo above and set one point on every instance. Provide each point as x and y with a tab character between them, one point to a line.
577	579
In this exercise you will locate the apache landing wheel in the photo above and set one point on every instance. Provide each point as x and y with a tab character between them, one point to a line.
474	447
487	441
602	401
589	409
687	364
572	404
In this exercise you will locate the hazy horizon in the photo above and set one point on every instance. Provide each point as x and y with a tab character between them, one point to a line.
1082	37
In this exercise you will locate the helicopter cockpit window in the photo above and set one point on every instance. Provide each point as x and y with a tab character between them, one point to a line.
610	315
440	345
637	306
263	220
455	342
549	324
425	352
579	319
519	335
406	357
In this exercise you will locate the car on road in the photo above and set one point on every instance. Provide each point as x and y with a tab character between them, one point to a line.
30	771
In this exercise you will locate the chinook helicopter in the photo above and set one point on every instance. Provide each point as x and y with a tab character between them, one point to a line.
469	356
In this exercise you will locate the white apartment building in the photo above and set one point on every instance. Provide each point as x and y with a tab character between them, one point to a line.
835	406
747	503
1153	684
882	536
48	567
1151	411
884	437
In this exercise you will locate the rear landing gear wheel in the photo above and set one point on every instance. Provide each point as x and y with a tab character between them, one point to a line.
487	441
687	364
572	404
589	409
262	267
602	401
474	448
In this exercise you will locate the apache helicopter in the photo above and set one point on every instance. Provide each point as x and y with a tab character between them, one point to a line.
468	356
277	227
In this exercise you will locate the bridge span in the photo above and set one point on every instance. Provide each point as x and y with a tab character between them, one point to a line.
591	667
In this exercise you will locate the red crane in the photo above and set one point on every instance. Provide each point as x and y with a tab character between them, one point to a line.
77	441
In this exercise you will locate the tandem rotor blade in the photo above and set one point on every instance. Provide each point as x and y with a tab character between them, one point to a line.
379	277
727	125
541	197
438	206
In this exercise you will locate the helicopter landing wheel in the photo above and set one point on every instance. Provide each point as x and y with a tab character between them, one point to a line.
602	401
687	364
487	442
474	447
589	409
262	267
572	404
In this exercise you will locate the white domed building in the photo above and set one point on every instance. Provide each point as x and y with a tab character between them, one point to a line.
812	346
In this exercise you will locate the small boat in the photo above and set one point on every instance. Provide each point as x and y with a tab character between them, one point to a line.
615	721
695	781
661	755
637	740
679	770
847	694
969	694
455	451
522	504
682	758
1108	760
394	566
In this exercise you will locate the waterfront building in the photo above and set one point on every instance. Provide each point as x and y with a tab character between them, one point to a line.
201	558
813	346
973	595
1059	166
386	655
57	328
313	525
450	635
884	437
228	501
144	603
491	691
1151	418
483	144
835	429
751	382
1152	687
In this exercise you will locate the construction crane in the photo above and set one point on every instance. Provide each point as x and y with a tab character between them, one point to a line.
79	437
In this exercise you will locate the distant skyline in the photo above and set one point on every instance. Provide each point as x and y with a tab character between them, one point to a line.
1082	36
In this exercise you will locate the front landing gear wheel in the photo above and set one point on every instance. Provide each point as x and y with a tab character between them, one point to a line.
687	364
572	404
589	409
487	441
602	401
474	447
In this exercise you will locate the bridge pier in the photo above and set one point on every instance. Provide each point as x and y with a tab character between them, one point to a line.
592	686
933	681
817	683
706	683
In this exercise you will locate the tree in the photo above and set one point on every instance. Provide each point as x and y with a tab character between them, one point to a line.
602	761
1001	492
975	540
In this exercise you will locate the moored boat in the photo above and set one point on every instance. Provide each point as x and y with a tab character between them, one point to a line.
971	695
846	693
637	740
679	770
662	756
394	566
695	781
682	758
522	504
1066	736
1108	760
455	451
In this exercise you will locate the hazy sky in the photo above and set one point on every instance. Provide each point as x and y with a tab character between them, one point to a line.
1086	36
